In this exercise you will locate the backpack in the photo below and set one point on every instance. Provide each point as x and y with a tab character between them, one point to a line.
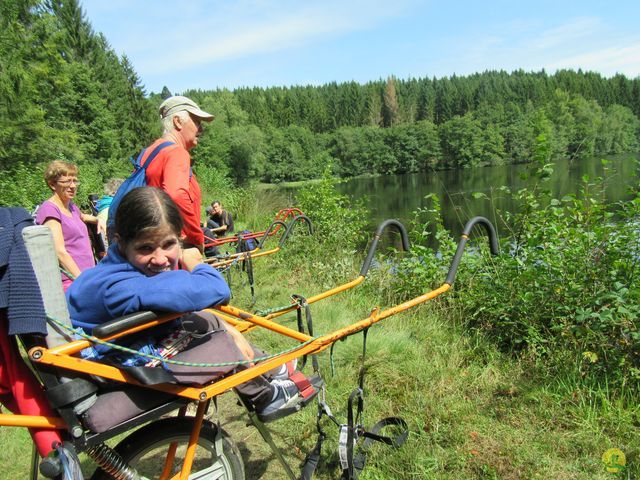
137	179
247	244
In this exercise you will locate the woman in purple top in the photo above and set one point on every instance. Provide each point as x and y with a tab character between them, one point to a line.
66	221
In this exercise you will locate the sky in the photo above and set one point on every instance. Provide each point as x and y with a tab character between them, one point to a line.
210	44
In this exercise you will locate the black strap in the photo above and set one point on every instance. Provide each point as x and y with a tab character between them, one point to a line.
70	391
302	304
312	459
354	430
362	362
353	456
150	375
247	264
360	459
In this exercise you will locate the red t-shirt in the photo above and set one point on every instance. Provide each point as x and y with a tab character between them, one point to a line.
171	171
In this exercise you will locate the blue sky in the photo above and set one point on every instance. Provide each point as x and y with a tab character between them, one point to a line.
235	43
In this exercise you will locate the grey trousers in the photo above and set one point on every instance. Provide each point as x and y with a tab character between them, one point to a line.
217	346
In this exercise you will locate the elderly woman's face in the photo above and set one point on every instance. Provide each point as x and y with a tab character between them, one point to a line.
66	186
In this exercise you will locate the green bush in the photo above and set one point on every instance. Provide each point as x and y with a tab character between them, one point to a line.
338	221
564	290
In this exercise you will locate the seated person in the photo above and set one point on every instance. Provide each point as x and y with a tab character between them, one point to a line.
210	250
220	221
140	272
103	203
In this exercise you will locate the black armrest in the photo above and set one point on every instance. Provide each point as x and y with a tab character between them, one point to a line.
118	325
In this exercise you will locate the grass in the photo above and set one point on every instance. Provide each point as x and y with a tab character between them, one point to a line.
473	412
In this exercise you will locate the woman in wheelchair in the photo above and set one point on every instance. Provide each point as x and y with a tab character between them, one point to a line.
146	269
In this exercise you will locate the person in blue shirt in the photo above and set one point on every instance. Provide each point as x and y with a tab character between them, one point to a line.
146	269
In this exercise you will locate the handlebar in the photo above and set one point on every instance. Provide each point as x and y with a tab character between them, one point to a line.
296	219
376	239
267	232
493	244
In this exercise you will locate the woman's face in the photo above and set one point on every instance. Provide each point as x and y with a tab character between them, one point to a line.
154	251
65	187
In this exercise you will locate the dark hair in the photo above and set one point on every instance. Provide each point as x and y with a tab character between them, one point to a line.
146	208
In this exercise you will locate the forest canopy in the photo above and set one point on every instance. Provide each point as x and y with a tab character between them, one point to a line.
64	93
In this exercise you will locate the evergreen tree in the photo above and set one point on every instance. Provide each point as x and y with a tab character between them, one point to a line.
166	93
390	109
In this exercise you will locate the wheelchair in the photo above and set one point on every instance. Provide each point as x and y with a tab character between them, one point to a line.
87	403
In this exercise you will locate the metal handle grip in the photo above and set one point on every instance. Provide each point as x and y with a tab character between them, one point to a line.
268	231
297	218
376	239
493	244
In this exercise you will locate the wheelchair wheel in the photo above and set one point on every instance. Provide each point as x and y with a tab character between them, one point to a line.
146	450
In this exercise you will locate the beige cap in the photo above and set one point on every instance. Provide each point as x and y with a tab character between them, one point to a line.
179	103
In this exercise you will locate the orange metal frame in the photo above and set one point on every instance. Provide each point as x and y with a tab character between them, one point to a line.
258	252
63	356
282	215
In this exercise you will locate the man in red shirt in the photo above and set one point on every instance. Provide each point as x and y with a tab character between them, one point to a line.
171	169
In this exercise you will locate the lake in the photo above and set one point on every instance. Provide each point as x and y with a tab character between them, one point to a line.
398	196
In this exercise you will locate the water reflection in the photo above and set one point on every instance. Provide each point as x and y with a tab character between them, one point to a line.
400	195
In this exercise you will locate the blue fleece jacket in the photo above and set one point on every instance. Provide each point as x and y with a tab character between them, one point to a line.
114	288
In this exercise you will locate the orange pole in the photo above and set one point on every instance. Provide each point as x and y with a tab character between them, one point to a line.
31	421
77	345
258	253
244	315
319	344
378	315
321	296
171	452
229	258
168	461
193	442
262	322
239	325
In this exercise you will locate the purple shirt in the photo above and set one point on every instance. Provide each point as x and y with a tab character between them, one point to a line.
74	232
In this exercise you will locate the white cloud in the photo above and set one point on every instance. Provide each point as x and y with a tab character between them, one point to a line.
251	28
623	59
567	33
584	42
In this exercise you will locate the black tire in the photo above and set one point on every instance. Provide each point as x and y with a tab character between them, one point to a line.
146	448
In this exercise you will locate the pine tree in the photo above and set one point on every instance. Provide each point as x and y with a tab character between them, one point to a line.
166	93
390	109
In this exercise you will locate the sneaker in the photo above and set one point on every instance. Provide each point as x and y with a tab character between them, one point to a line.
288	399
286	370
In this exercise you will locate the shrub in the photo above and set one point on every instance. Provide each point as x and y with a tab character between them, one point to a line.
337	220
564	290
